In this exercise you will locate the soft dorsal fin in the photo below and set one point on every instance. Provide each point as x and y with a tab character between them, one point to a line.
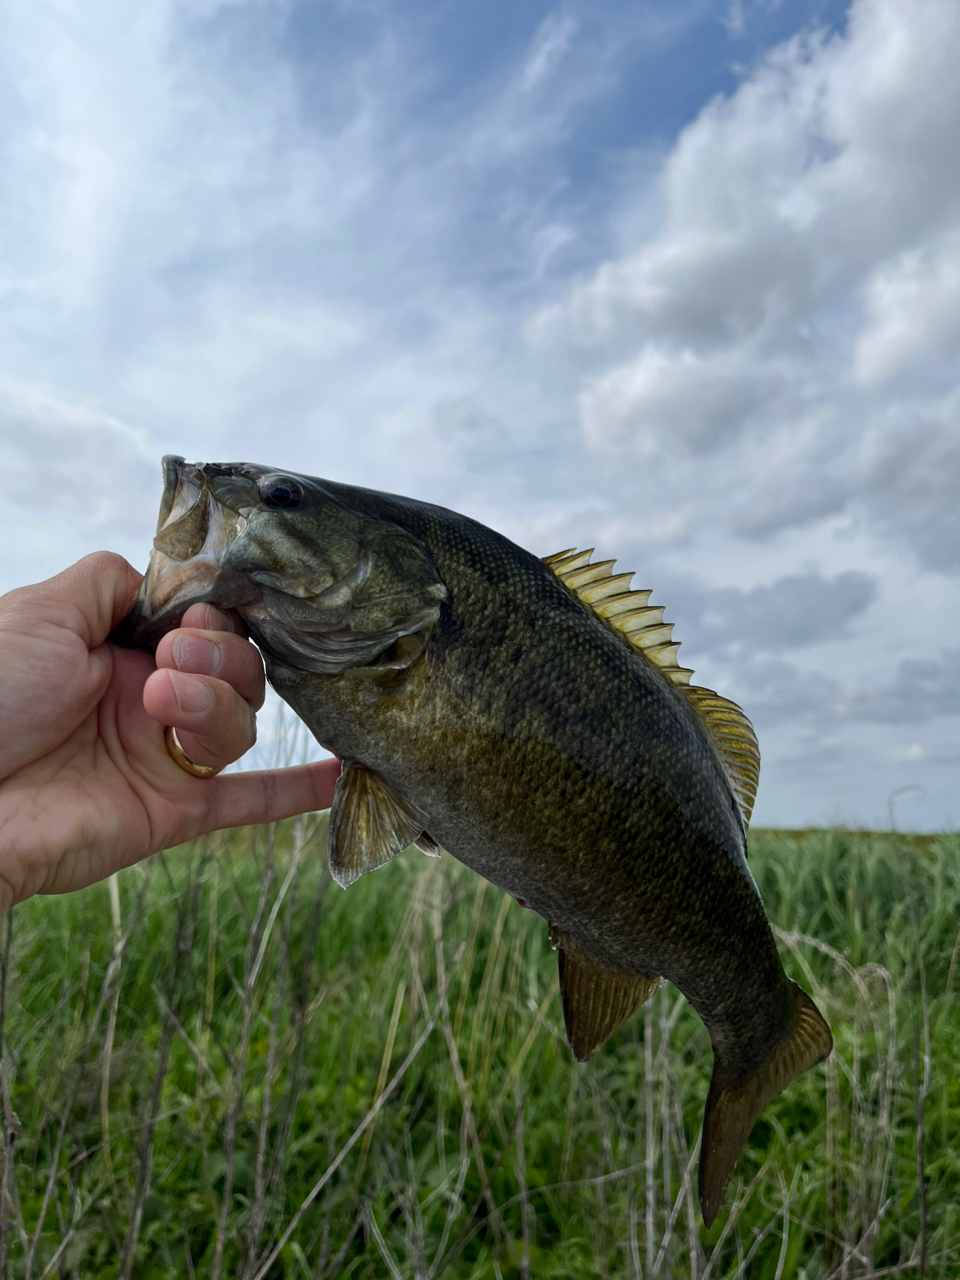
735	740
596	998
608	595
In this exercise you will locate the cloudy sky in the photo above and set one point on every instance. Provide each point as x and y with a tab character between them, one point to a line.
679	280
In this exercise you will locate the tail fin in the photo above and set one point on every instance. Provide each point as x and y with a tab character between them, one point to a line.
733	1105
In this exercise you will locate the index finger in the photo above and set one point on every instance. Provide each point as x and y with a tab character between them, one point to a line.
268	795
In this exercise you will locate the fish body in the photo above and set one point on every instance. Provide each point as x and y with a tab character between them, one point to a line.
500	707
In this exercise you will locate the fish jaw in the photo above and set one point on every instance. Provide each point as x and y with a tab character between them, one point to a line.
195	530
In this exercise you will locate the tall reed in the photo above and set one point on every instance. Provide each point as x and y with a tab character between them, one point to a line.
220	1065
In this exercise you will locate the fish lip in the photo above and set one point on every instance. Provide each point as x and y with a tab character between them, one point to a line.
195	529
171	472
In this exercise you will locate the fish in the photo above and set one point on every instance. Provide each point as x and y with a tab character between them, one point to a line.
530	717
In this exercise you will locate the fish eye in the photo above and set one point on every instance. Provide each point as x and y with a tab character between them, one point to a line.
281	493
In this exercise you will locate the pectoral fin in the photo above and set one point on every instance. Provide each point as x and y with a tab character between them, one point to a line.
596	998
369	824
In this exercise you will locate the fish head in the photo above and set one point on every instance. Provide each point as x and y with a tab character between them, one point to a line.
321	586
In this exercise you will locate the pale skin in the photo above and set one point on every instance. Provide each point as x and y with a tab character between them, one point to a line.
87	786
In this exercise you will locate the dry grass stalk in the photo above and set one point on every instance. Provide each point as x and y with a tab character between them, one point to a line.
481	1148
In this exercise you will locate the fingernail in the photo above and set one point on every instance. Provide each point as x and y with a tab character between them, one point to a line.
191	694
194	653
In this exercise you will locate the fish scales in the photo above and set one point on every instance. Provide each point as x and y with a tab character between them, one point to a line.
556	742
504	719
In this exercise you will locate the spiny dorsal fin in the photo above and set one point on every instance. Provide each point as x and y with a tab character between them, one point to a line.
608	595
370	823
596	999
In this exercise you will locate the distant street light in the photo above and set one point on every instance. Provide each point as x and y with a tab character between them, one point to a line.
900	791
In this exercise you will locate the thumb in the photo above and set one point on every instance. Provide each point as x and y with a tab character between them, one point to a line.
98	590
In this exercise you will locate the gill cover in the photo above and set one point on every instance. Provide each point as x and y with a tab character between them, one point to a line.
323	588
337	591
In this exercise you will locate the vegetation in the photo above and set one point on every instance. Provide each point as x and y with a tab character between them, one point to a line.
220	1065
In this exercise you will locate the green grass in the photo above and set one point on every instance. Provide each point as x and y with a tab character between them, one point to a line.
192	1062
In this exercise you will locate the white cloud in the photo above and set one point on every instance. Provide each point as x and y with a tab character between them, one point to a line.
75	480
679	397
226	235
912	311
551	42
808	250
776	354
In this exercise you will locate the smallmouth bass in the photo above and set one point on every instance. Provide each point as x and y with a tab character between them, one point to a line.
529	717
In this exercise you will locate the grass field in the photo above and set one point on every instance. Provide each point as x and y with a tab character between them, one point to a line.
221	1065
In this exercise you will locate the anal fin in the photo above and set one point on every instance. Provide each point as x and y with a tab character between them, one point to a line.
596	998
369	824
733	1104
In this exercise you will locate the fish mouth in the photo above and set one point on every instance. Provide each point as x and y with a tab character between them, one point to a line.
202	514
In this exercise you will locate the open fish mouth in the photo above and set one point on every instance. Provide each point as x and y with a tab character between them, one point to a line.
195	530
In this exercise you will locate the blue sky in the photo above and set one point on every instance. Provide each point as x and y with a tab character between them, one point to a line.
679	281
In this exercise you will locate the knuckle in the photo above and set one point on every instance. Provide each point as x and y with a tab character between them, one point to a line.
234	714
100	565
105	561
228	735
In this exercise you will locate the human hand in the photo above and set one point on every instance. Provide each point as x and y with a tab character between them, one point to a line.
86	784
